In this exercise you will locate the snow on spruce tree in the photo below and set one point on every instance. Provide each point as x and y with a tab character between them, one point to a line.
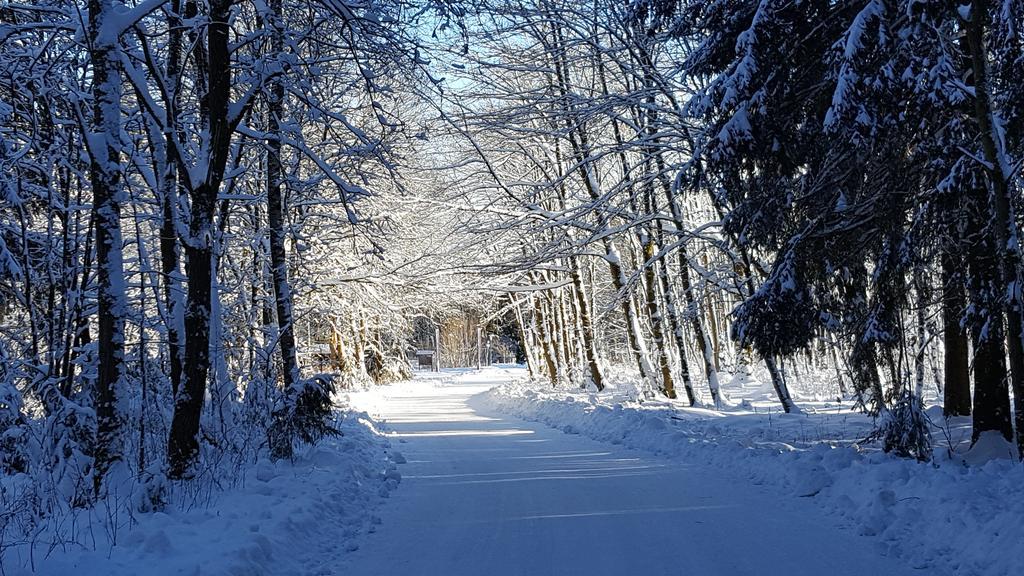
835	135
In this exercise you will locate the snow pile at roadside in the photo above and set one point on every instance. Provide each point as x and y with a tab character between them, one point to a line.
285	517
948	518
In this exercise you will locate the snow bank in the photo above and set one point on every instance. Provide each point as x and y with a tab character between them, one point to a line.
947	517
283	517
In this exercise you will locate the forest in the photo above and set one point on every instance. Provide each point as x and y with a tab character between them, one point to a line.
218	218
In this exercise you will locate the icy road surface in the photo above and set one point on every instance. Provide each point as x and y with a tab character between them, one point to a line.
484	494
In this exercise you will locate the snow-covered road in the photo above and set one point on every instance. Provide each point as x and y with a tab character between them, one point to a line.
487	494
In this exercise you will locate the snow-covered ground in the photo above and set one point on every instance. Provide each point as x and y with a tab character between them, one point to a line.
283	518
484	492
947	517
504	477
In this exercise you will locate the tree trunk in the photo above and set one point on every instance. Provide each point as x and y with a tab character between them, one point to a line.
713	330
170	255
704	343
589	338
693	308
275	212
528	353
547	350
991	394
863	355
779	383
105	176
589	342
560	332
183	442
956	374
676	327
1003	225
921	290
657	318
579	142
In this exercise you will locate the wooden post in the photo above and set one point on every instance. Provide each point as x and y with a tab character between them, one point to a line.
437	349
479	347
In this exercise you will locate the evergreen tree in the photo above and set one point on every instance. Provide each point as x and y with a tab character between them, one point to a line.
836	135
